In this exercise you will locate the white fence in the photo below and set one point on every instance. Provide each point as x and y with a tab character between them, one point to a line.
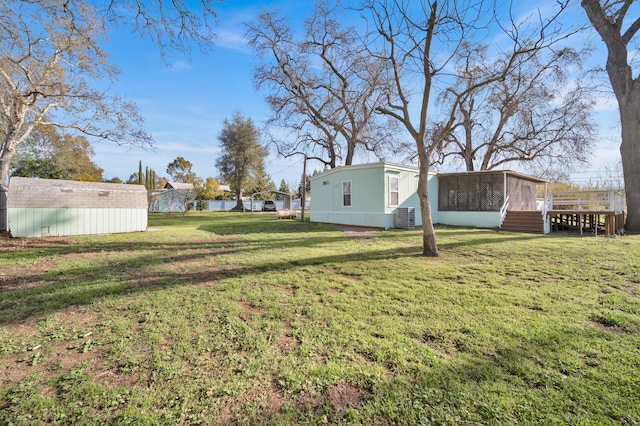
226	205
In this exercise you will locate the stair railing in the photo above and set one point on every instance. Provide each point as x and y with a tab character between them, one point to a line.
503	210
548	201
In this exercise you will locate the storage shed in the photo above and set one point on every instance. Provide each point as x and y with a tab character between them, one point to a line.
49	207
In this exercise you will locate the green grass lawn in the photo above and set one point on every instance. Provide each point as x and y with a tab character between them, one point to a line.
229	318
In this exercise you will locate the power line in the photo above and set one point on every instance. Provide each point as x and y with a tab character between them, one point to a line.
287	168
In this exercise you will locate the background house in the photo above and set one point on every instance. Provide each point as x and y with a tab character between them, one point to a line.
49	207
175	197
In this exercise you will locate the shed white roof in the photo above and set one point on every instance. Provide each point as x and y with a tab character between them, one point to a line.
47	193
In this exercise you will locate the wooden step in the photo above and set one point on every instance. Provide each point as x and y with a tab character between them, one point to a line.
523	221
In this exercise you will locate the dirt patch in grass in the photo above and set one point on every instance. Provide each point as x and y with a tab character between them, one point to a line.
266	401
48	360
286	343
13	244
360	232
444	346
604	325
20	278
48	355
103	372
287	289
344	395
339	397
249	311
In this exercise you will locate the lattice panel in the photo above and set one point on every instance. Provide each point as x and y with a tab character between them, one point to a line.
473	192
463	193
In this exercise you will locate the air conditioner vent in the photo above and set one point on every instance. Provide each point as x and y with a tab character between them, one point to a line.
406	218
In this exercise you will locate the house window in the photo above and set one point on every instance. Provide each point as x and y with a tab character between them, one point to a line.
393	190
346	193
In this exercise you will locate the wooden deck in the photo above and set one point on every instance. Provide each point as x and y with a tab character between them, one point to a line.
587	221
586	211
591	212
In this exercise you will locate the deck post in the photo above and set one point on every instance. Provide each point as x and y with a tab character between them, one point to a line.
580	218
504	195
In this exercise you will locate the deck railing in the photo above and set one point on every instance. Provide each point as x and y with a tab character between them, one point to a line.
592	201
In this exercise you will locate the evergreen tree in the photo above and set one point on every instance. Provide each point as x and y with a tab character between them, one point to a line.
308	186
242	161
284	187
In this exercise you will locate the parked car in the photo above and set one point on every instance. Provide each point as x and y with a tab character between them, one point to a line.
269	206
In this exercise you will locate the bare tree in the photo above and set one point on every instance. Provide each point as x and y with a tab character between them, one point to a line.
178	199
417	41
46	66
323	88
404	43
530	116
173	26
609	18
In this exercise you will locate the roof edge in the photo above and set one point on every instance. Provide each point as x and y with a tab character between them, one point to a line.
507	172
379	164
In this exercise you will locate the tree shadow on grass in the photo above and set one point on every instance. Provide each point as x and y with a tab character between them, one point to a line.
113	269
556	382
94	269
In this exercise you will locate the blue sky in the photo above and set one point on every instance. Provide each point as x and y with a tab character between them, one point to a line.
184	104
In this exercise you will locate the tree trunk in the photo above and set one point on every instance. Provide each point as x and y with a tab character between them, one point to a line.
4	178
627	91
468	138
429	245
630	153
468	159
239	205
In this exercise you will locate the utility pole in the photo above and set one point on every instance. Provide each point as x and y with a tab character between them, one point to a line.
304	187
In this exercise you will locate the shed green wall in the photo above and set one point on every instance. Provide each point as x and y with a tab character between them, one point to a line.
42	222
